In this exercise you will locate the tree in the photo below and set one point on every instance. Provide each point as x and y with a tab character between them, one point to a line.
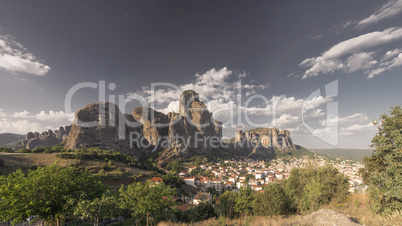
310	187
383	169
244	201
47	192
147	199
227	203
272	201
99	208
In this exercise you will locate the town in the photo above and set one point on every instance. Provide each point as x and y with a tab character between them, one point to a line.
231	175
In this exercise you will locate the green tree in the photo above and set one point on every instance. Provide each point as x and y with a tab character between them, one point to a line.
227	204
272	201
244	201
147	199
99	208
383	169
308	188
174	165
47	192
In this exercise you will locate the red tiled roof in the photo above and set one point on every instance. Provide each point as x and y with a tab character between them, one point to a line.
156	179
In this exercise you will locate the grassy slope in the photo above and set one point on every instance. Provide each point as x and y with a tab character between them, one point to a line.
116	174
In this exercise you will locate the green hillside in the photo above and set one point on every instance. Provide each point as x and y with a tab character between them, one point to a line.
344	154
8	138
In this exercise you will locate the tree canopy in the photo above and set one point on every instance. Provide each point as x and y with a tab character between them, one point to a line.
47	192
147	199
383	169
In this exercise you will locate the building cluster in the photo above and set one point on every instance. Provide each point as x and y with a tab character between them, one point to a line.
234	174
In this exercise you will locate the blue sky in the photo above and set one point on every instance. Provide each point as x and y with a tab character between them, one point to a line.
280	51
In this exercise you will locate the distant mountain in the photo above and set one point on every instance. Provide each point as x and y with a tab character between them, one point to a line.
344	154
8	138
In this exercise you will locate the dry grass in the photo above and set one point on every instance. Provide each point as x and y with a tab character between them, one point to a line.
25	161
356	208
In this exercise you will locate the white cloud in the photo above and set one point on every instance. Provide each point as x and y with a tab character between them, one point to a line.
23	122
15	58
357	129
52	116
390	54
359	61
386	66
285	120
388	10
19	126
331	60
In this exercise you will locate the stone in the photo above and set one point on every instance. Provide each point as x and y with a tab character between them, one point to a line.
103	125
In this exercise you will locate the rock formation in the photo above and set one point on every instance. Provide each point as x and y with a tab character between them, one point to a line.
103	125
155	124
262	140
48	138
192	131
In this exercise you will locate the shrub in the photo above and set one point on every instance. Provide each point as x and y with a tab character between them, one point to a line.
6	150
272	201
309	188
23	150
1	162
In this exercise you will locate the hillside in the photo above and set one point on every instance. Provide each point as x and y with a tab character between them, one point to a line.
8	138
113	172
344	154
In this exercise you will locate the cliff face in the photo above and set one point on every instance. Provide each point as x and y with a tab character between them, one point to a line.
155	124
192	131
264	138
48	138
103	125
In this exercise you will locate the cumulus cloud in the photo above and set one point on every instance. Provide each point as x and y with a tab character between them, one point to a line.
355	51
360	61
15	57
23	121
357	129
388	10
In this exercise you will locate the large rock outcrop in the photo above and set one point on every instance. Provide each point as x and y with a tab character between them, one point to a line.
264	141
155	124
48	138
103	125
192	131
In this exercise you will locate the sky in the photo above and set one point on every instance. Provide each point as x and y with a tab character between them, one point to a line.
324	70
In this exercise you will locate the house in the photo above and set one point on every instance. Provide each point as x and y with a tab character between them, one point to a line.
256	188
189	180
217	184
182	174
202	197
156	180
258	175
279	176
191	168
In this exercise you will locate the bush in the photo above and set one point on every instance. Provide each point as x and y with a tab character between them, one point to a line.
197	213
38	150
23	150
272	201
6	150
1	162
65	156
309	188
